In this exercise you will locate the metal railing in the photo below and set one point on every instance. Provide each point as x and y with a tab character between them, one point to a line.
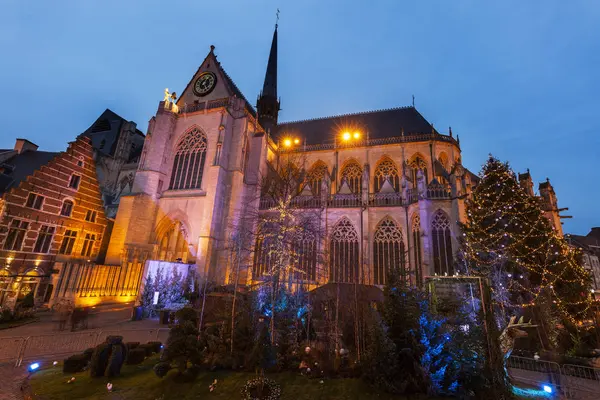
19	349
572	381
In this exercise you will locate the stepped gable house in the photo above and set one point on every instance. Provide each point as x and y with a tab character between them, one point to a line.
51	214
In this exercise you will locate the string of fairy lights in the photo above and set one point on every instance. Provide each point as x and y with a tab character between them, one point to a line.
507	231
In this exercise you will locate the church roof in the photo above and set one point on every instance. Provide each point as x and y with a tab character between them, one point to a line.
238	93
378	124
105	132
20	166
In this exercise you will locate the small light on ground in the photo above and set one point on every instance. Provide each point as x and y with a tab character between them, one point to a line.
34	366
547	389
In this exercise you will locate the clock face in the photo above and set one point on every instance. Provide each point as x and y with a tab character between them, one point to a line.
205	83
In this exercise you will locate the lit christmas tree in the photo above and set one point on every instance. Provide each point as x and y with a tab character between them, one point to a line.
508	240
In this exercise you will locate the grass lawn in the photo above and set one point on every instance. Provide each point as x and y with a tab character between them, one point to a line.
139	382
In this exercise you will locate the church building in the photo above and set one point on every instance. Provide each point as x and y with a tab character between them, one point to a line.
389	187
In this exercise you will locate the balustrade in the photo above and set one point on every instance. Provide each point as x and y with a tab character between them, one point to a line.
434	192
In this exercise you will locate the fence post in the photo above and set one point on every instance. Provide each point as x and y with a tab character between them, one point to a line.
21	353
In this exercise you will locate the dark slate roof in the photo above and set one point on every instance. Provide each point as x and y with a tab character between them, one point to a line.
5	150
238	93
378	124
20	166
107	128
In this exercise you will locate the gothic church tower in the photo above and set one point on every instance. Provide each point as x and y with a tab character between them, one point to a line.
198	173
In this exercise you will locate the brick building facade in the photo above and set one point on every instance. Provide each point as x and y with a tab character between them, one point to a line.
51	214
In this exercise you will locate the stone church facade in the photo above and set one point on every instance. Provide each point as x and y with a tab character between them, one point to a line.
390	189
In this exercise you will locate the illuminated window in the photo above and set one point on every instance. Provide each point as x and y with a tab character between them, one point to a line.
442	246
188	164
67	208
16	234
44	239
386	169
352	174
88	244
66	247
344	253
389	252
34	201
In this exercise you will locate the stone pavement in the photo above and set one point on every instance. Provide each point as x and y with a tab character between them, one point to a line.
12	379
106	318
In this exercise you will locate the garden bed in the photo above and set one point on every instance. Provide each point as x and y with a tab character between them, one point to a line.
140	382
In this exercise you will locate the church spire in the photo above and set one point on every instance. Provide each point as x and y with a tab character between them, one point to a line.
268	103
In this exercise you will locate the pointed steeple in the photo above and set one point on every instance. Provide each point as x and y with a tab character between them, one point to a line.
268	105
270	85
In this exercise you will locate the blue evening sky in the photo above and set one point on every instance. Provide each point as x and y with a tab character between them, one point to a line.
519	79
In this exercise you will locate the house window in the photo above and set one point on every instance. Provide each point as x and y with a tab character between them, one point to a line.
74	183
67	208
188	164
388	252
34	201
44	239
66	247
442	246
80	162
88	244
90	216
16	235
344	253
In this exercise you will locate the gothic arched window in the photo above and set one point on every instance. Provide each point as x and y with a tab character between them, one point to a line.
173	244
305	254
188	164
418	163
388	251
416	247
344	253
316	176
352	174
442	246
386	169
262	257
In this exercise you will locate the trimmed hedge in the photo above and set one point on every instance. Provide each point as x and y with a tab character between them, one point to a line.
89	353
135	356
132	345
156	346
75	363
148	348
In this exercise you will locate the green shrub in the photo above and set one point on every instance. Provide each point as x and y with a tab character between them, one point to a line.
108	357
76	363
135	356
148	348
132	345
156	346
162	368
88	353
